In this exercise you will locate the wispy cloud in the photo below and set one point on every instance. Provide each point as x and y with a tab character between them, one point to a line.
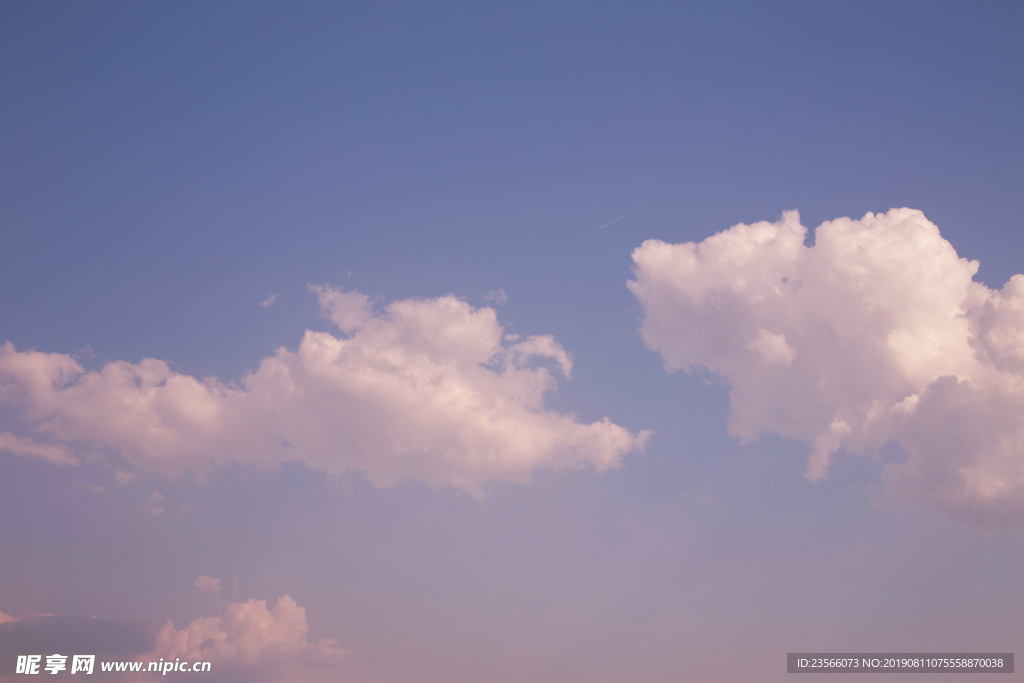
269	301
123	477
618	218
154	503
498	296
54	633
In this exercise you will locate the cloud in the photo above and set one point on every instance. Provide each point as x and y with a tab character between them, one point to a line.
427	388
877	333
58	454
498	296
247	641
208	584
91	488
249	635
122	477
154	503
269	301
617	219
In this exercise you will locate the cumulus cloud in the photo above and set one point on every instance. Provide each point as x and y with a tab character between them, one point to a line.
427	388
877	333
248	641
251	635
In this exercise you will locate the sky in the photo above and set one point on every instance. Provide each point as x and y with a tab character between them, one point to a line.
413	342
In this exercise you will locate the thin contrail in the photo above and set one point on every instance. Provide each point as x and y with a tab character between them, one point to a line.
617	218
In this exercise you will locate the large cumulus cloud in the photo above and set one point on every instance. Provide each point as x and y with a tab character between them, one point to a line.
427	388
876	333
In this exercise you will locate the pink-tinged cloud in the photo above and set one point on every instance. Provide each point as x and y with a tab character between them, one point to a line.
251	635
58	454
208	584
876	333
154	503
428	388
247	642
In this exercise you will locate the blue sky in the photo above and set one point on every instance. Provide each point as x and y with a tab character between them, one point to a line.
164	170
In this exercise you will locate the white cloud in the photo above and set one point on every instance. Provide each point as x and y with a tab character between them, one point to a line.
876	333
348	310
269	301
427	388
208	584
251	635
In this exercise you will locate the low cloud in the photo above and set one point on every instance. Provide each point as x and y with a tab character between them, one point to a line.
208	584
877	333
251	635
427	388
49	633
247	641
